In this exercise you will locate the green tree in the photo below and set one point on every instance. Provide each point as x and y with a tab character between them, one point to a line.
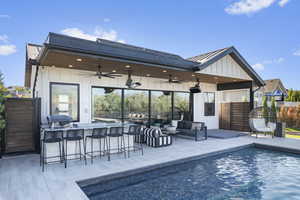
290	94
273	109
2	108
265	109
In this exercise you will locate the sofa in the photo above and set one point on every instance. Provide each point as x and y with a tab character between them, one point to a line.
196	130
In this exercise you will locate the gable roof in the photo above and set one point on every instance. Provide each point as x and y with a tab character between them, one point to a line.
204	60
273	85
32	52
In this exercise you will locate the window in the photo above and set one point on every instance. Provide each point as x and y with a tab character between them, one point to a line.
136	106
209	104
106	105
64	100
181	106
161	108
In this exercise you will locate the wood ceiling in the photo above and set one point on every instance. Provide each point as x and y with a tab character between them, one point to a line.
90	63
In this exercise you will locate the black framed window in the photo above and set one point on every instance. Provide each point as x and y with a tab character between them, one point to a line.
181	106
209	104
64	99
106	105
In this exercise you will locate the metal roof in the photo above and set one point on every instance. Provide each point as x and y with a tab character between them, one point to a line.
119	50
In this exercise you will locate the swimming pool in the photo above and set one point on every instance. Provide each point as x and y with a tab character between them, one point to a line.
249	173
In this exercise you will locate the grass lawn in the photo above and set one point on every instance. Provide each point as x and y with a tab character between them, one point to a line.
292	129
292	136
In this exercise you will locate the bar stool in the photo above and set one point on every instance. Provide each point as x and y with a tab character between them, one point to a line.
135	132
51	137
74	135
98	134
116	132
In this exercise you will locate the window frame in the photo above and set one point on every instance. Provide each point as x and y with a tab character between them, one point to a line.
214	104
78	96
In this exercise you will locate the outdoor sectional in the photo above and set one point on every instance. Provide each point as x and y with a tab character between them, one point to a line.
197	130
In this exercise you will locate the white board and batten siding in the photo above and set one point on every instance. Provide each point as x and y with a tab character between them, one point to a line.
226	67
52	74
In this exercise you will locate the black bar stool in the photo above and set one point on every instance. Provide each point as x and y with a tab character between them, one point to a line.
98	134
116	132
52	137
74	135
136	132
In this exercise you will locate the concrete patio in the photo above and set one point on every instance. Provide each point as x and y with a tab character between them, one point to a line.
21	177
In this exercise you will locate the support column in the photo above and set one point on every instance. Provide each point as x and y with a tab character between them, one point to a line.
251	102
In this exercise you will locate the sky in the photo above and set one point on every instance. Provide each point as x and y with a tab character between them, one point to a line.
265	32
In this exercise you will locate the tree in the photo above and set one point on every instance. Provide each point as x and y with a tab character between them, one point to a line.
273	109
290	94
2	109
265	109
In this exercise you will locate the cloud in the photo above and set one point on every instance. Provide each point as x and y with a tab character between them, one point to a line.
282	3
8	49
5	16
4	38
106	20
274	61
98	33
248	6
297	53
258	66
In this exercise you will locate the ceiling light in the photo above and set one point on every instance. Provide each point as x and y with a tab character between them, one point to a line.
175	77
164	71
70	66
193	75
148	75
79	59
127	66
114	71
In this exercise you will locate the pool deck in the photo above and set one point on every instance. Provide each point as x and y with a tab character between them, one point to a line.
22	178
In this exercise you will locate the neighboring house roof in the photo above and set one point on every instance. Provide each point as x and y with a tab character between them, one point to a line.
274	87
207	59
127	52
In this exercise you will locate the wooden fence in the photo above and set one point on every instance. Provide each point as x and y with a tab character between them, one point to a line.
22	125
234	116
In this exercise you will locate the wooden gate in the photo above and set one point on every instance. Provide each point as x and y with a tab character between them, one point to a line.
22	132
234	116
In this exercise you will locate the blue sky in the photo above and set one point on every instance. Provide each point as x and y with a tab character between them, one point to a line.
266	32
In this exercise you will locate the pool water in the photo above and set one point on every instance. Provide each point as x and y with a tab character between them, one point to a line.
250	173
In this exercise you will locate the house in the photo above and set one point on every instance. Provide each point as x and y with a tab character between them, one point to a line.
274	88
107	81
18	91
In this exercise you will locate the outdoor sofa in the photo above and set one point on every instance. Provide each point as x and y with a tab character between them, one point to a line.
196	130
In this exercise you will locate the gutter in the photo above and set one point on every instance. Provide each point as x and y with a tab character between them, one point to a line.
34	62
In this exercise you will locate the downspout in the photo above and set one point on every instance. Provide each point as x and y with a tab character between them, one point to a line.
35	78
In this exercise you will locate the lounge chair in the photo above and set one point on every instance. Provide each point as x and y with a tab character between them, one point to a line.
154	137
259	125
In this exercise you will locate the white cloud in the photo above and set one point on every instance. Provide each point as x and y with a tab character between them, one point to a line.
98	33
297	53
258	66
4	38
248	6
6	50
106	20
282	3
4	16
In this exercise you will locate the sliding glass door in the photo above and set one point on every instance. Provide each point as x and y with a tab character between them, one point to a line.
161	108
181	106
106	105
136	106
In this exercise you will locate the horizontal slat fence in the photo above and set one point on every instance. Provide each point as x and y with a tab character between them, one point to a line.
235	116
22	125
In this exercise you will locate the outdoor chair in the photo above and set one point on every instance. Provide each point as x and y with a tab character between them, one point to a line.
116	132
51	137
77	136
97	134
259	125
154	137
136	133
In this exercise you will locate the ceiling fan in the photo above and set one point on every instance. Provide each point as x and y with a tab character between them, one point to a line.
173	80
101	74
196	88
130	83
